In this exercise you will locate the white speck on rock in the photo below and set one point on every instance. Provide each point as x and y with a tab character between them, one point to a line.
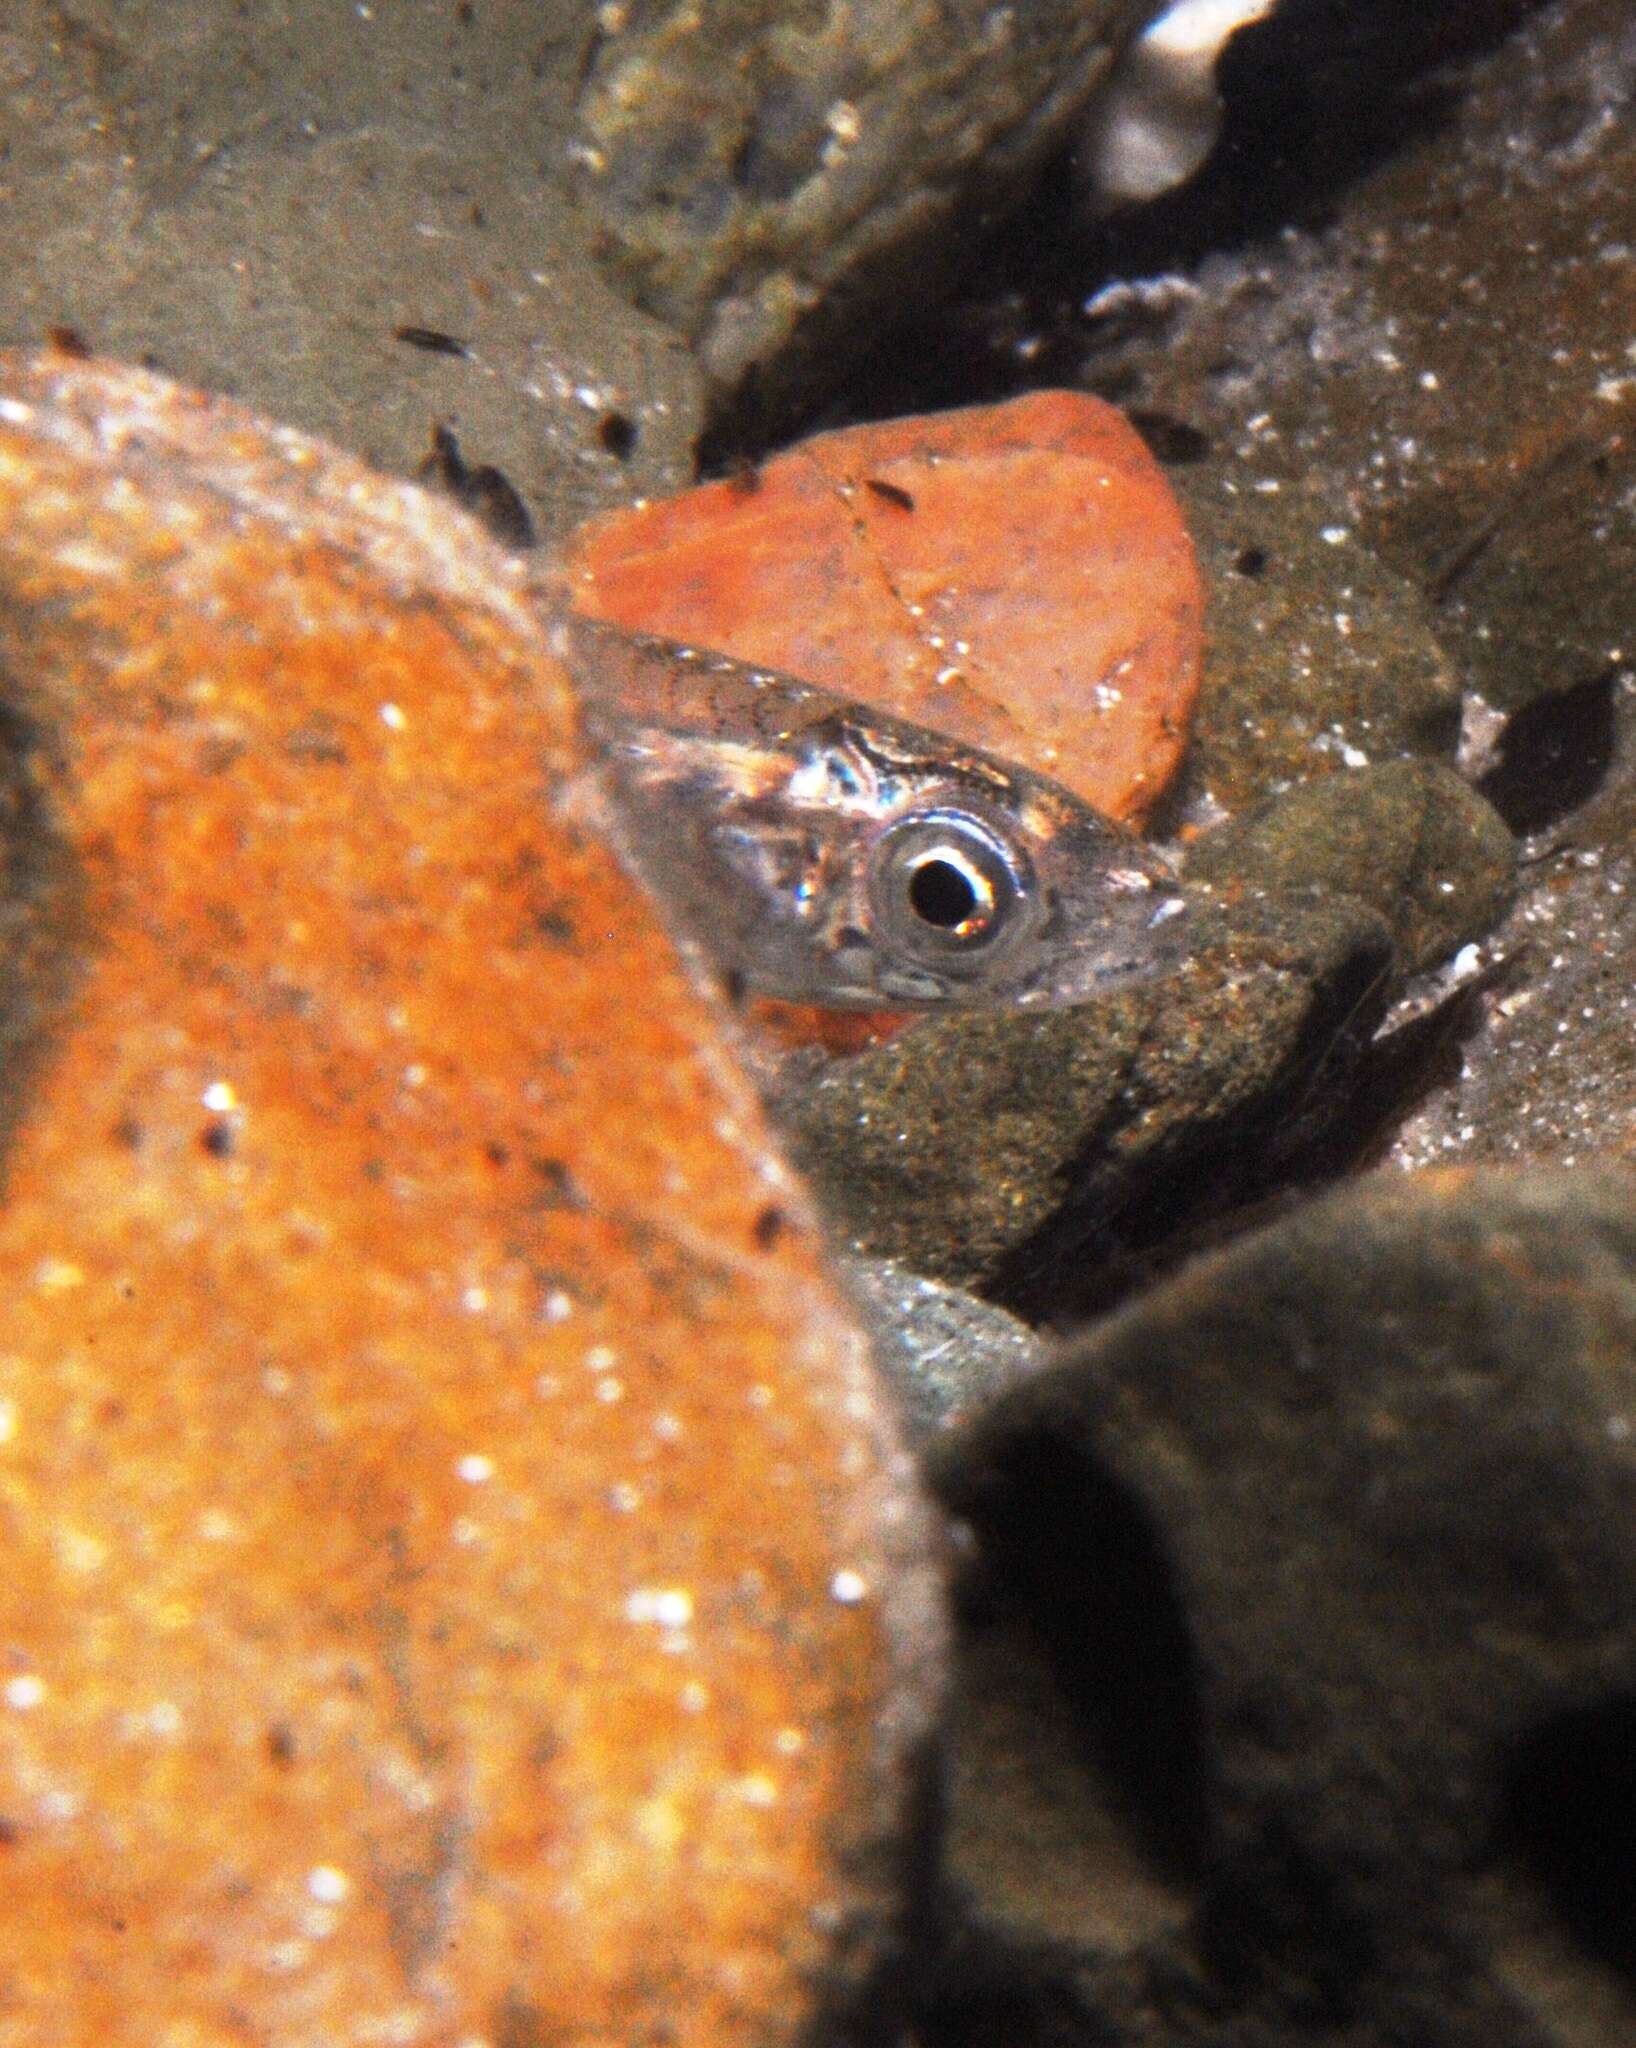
664	1606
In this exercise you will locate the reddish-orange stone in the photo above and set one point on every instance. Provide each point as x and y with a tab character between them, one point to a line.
782	1025
460	1587
1016	575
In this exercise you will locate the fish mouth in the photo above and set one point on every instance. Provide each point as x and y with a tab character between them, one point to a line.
1140	935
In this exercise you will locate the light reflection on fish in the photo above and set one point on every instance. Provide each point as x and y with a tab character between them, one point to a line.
826	854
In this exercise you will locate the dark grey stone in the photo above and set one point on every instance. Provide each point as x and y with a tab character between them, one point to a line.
1332	1539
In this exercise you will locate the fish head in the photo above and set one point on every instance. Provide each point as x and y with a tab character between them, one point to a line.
829	854
880	872
1036	901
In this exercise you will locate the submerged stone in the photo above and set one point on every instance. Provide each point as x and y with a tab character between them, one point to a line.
1329	1547
1409	838
465	1583
1017	576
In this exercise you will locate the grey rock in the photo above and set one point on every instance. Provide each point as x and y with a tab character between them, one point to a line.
1442	379
1321	658
1545	1071
1445	370
774	183
1409	838
1332	1541
945	1353
983	1147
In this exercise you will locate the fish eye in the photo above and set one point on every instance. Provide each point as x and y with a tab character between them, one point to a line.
945	882
949	890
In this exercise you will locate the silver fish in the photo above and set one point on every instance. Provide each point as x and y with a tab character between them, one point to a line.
822	852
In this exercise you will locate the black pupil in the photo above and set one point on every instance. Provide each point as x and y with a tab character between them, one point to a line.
942	894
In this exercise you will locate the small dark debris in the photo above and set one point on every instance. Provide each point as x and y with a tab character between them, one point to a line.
496	501
1554	754
68	341
1172	440
769	1226
432	340
217	1140
313	743
889	494
1250	562
129	1133
280	1745
486	492
558	1187
617	432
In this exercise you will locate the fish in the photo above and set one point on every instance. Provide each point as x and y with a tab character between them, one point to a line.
824	853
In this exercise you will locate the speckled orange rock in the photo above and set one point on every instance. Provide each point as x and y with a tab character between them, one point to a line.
1017	575
460	1588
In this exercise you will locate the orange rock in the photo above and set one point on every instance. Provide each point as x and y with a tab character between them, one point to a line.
460	1586
833	1031
1016	575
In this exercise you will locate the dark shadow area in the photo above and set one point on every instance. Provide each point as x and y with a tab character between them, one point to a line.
1077	1551
1079	1555
1403	1066
1279	1931
41	904
1569	1816
981	1988
864	1993
1316	96
1554	754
